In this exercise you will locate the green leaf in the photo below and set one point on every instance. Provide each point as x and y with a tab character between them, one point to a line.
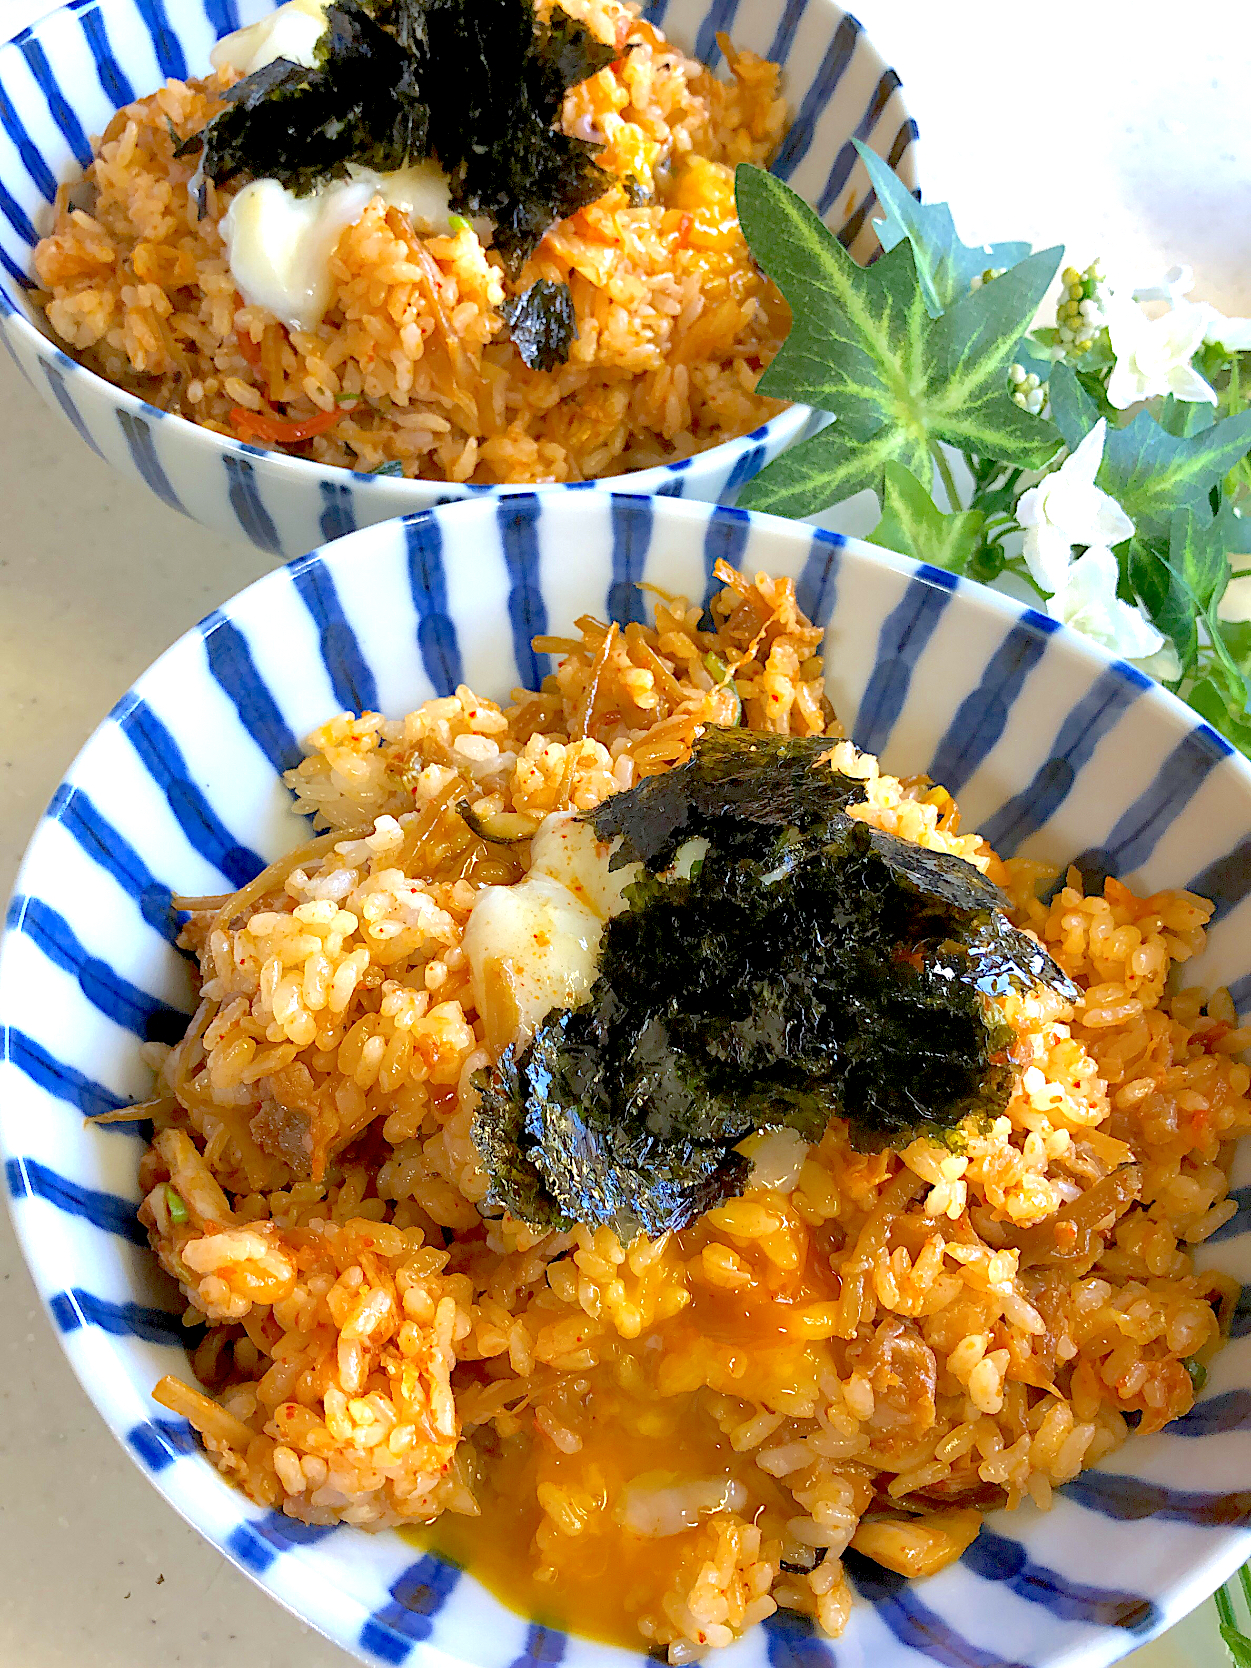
1042	368
972	349
830	467
1186	417
1198	546
1210	700
999	495
1227	668
1238	1644
1184	588
913	525
1074	411
945	267
1165	597
1152	473
863	347
1033	353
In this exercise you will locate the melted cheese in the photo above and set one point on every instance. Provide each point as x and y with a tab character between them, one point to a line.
534	946
291	32
279	245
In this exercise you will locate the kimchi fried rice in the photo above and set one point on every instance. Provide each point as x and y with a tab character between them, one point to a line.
411	365
864	1349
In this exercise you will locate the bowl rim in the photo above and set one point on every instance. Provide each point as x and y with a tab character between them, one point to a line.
348	559
783	429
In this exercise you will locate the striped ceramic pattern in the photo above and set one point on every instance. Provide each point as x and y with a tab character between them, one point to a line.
62	80
1054	750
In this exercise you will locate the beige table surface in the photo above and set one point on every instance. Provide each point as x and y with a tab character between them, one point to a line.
1148	161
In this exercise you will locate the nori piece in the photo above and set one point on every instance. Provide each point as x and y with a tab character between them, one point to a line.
738	784
541	324
303	126
494	128
476	83
811	966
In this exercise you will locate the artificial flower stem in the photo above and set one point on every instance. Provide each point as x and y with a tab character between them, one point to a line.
1236	1642
948	479
1224	1607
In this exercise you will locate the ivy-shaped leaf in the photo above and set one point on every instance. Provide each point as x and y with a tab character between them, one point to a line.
827	469
945	267
913	525
1072	409
1186	585
1033	353
1198	550
1152	473
864	347
1165	598
1186	417
1224	709
1229	670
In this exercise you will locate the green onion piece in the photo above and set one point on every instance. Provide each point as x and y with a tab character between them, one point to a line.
721	672
458	223
348	402
1198	1373
392	466
174	1204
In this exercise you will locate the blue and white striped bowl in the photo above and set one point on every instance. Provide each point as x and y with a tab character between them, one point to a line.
1053	749
61	82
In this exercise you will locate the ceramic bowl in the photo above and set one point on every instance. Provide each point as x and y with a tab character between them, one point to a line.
1054	751
62	80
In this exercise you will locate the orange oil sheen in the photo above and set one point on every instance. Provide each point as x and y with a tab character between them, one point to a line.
634	1423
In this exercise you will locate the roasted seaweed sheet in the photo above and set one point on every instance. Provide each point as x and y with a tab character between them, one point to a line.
810	967
541	323
476	83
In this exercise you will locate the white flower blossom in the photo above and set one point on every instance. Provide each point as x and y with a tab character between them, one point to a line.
1164	665
1232	334
1153	355
1067	508
1087	602
1170	286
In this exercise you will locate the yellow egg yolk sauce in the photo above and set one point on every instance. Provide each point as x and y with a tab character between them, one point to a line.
594	1485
